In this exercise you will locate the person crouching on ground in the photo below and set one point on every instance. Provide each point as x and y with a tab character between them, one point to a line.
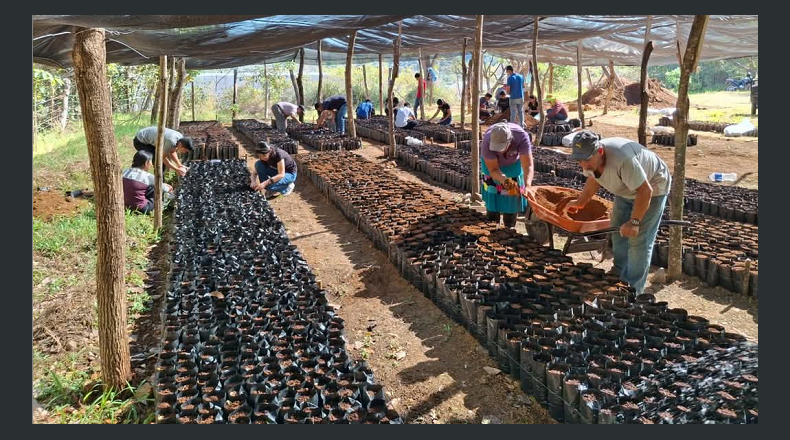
640	182
486	107
138	184
174	143
447	114
274	172
405	117
365	110
506	171
557	112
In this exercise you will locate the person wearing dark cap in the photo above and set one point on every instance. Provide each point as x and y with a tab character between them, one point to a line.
640	182
174	143
274	172
284	110
506	171
337	104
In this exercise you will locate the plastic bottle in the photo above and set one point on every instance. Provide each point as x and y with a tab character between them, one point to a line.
723	177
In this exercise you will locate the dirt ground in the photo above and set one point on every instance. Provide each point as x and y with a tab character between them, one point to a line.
48	204
713	153
431	367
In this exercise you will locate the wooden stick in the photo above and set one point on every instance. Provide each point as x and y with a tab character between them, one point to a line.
690	59
420	82
299	82
589	78
579	78
193	100
644	95
160	140
609	89
463	85
320	73
537	79
365	81
393	77
551	78
475	183
235	90
351	129
381	87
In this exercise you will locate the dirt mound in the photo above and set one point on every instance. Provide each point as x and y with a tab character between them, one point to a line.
48	204
631	95
556	199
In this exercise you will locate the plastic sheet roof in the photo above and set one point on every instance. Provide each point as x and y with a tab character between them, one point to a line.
223	41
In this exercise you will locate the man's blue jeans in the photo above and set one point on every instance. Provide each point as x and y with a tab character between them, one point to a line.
517	111
265	171
340	121
447	121
632	255
417	104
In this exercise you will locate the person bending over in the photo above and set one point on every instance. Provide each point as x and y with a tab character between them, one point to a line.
174	143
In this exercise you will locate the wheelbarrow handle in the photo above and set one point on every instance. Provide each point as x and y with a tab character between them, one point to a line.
663	223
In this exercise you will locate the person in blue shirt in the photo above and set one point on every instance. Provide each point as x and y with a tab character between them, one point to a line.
337	104
365	110
515	87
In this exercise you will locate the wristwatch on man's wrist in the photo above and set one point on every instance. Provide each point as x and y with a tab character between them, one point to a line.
636	222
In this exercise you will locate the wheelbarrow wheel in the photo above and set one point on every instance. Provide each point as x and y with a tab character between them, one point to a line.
537	229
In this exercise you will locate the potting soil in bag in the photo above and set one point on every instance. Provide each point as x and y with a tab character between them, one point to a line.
572	386
589	406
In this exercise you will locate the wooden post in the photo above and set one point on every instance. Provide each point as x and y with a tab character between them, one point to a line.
644	95
193	100
351	129
647	39
579	78
365	81
537	79
393	76
551	78
176	92
475	177
157	98
420	82
690	60
589	78
609	89
299	83
266	91
464	77
235	90
90	76
320	73
532	78
293	83
160	138
381	86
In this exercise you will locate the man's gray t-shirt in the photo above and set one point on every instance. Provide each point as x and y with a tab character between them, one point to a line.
148	136
628	165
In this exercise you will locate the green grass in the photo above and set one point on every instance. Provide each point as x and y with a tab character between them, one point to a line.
68	393
60	160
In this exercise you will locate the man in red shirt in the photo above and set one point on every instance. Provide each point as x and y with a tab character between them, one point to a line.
420	92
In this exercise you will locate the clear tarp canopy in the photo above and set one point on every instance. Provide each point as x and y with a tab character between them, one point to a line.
223	41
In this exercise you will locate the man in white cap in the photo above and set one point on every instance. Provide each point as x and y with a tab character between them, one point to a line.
507	171
640	181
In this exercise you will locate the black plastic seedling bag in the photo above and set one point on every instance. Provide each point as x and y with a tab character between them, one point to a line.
589	406
555	374
572	386
539	389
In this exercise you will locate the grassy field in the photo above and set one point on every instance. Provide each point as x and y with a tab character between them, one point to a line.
64	306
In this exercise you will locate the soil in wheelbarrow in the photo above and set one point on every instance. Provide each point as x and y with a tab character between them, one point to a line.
557	199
